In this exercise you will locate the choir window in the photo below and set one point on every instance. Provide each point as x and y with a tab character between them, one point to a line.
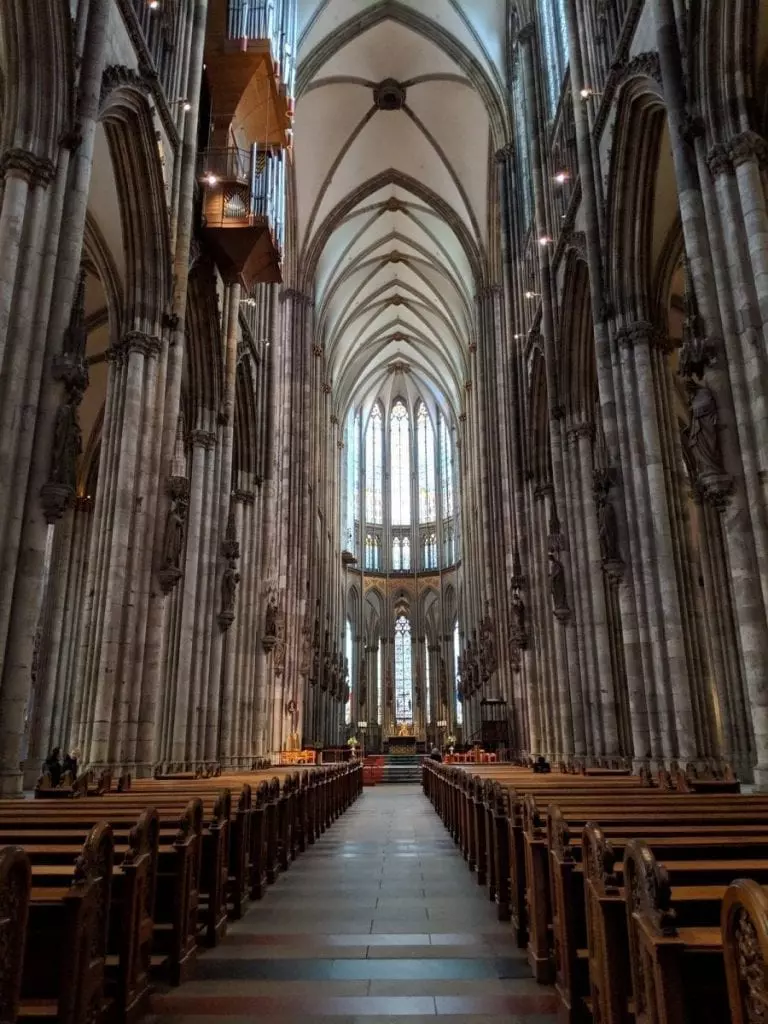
403	676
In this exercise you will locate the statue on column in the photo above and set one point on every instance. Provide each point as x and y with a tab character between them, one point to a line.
488	644
701	436
557	585
229	582
173	538
271	617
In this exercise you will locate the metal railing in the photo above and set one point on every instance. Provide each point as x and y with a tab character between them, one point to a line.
261	174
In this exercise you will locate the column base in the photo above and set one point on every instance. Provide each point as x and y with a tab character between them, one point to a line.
761	778
11	784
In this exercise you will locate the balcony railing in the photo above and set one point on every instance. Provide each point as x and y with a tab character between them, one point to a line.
244	186
274	20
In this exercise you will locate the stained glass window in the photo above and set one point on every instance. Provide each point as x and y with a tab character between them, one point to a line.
348	652
374	466
456	642
352	452
406	553
429	551
403	676
425	445
522	150
400	472
397	554
427	682
379	706
554	42
446	467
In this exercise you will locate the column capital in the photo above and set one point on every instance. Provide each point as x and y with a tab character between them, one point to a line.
138	341
20	163
295	295
581	430
202	438
748	146
719	161
640	332
525	34
244	497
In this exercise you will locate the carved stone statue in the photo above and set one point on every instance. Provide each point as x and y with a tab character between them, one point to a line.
229	582
557	583
607	530
518	632
271	616
67	446
701	436
173	539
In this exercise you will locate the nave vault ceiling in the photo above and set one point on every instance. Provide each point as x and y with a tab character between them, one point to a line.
398	114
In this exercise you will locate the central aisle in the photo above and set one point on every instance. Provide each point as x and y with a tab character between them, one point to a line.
379	920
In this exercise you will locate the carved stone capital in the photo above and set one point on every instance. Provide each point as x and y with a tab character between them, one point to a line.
543	491
244	497
581	430
144	344
641	332
20	163
327	387
202	438
294	295
317	351
719	161
748	146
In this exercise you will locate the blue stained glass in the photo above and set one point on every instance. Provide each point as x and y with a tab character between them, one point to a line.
403	673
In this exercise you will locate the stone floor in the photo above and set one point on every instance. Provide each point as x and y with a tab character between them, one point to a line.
379	921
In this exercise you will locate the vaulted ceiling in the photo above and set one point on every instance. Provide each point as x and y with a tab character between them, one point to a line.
398	114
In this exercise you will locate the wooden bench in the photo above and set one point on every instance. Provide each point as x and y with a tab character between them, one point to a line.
589	910
65	952
744	935
15	886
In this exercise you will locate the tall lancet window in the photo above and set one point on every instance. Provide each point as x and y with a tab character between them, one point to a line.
374	467
352	451
456	642
427	683
554	42
349	655
400	472
403	674
522	143
446	467
425	446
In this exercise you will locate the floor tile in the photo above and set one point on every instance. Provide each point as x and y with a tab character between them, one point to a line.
379	921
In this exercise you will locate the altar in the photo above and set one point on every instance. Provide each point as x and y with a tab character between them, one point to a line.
401	745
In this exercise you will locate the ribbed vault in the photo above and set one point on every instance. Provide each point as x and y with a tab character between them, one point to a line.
399	112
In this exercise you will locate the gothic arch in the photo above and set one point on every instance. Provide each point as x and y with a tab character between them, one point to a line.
538	425
38	73
127	118
639	124
203	365
578	370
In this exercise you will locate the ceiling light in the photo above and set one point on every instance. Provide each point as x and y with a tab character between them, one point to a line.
154	4
517	337
545	240
212	179
587	93
561	177
531	295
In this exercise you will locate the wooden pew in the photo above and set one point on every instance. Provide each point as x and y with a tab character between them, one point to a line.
15	886
590	915
65	953
744	933
670	811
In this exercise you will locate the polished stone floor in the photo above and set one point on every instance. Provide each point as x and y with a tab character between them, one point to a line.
379	921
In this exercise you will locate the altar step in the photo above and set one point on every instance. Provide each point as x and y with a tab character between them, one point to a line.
404	769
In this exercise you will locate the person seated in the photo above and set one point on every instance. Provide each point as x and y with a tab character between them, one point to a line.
541	766
436	755
70	763
52	767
